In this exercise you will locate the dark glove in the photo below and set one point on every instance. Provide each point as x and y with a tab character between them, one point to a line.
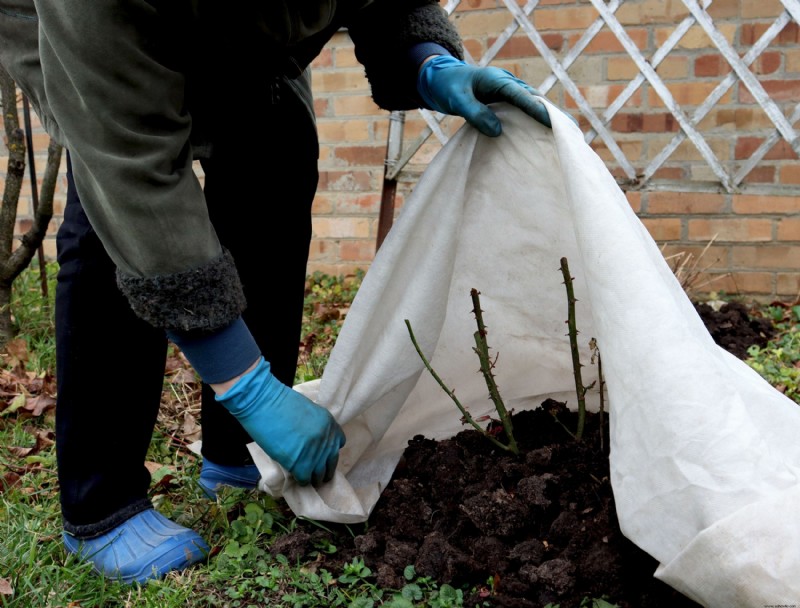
450	86
300	435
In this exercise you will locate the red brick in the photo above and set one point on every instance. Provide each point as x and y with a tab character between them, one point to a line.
357	251
706	256
347	181
563	18
754	9
319	250
761	175
361	204
361	155
672	173
685	202
322	205
766	256
711	65
607	42
740	283
790	34
341	227
355	105
768	63
778	90
751	32
522	47
689	94
790	174
321	107
664	229
663	122
746	146
788	284
734	230
789	229
471	5
757	203
742	118
724	9
627	122
323	60
332	268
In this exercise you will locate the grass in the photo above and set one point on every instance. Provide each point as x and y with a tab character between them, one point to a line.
36	572
240	526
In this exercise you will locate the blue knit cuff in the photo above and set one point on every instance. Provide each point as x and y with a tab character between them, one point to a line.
220	355
419	52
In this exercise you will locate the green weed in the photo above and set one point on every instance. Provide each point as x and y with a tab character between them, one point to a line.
779	361
327	301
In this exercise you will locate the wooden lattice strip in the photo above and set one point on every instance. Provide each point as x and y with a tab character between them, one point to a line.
579	47
571	88
661	53
713	98
508	32
762	150
745	75
449	8
660	88
409	151
432	120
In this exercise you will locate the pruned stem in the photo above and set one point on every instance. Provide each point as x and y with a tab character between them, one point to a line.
602	383
467	416
580	390
482	350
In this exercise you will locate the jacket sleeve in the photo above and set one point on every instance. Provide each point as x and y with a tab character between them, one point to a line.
384	32
19	55
114	81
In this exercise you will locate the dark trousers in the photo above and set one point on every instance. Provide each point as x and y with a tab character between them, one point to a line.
259	186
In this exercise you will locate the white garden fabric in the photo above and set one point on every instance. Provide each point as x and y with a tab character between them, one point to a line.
705	454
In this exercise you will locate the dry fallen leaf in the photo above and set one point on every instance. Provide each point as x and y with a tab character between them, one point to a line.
5	587
17	350
39	404
8	479
183	376
191	430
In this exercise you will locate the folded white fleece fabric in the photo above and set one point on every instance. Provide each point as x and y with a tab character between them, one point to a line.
705	454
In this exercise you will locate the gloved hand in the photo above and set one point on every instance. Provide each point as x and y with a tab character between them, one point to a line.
450	86
300	435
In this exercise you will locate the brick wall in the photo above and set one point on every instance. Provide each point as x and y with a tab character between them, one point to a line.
747	239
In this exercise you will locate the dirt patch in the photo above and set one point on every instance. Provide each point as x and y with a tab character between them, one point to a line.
523	531
733	328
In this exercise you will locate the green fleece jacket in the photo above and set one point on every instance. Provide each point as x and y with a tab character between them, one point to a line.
129	87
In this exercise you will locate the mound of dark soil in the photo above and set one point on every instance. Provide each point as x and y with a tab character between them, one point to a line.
733	328
526	530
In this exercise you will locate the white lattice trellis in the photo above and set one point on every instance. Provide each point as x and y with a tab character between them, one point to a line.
729	178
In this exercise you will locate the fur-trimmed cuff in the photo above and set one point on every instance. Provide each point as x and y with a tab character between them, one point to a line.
204	298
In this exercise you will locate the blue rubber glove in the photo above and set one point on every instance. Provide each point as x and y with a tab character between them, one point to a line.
298	434
450	86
